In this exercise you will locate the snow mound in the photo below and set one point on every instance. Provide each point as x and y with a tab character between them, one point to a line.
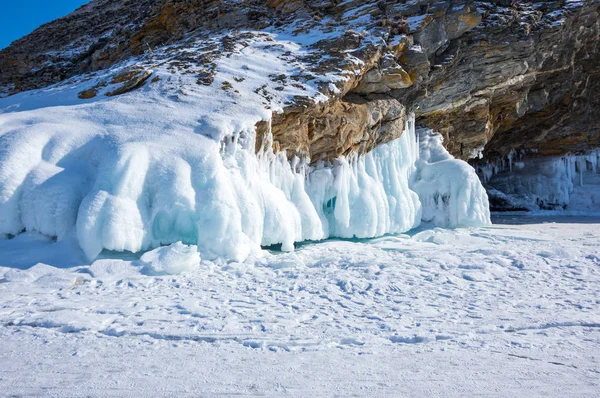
173	259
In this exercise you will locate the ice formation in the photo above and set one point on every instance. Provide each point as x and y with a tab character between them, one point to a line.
369	195
523	181
449	189
120	193
175	161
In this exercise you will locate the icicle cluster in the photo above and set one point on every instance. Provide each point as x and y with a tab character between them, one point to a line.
546	183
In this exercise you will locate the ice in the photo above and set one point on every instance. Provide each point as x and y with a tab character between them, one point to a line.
175	161
173	259
368	196
449	189
79	171
524	181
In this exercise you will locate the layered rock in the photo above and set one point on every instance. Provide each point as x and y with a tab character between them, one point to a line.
524	79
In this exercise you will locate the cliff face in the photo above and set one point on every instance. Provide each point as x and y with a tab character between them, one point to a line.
491	76
525	78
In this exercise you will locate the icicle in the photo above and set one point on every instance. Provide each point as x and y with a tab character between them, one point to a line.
510	159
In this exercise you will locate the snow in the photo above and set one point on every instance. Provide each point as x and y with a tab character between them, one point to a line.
170	162
572	4
173	259
135	232
499	310
418	22
449	189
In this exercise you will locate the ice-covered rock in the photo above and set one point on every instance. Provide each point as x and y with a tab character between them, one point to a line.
524	181
369	195
131	177
182	158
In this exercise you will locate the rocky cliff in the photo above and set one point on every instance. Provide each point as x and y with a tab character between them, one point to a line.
493	77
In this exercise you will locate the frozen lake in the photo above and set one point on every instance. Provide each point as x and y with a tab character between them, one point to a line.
507	310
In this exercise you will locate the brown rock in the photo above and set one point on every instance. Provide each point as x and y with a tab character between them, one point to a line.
496	75
338	129
87	94
134	82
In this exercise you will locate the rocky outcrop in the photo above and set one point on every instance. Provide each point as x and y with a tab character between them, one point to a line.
524	79
104	32
491	76
369	107
351	125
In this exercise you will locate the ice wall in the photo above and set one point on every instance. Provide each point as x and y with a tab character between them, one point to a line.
78	171
369	195
525	181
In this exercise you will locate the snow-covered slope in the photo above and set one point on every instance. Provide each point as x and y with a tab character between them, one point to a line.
177	161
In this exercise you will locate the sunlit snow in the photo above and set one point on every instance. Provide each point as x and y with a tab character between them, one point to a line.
507	308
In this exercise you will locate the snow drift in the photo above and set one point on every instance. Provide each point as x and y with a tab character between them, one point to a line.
171	260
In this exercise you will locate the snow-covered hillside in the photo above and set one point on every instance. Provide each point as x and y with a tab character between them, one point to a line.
178	161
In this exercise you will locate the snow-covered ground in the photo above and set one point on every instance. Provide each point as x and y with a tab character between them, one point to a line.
505	310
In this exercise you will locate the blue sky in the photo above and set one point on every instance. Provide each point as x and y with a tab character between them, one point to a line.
20	17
